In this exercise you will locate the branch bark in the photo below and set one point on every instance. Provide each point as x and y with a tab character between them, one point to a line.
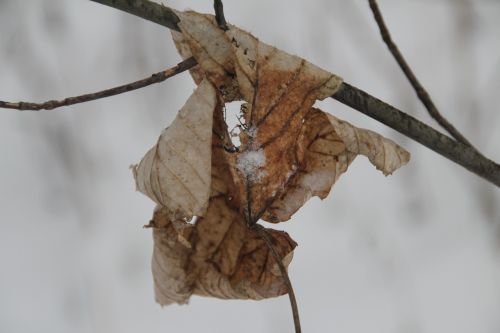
359	100
147	10
219	15
457	152
154	78
461	153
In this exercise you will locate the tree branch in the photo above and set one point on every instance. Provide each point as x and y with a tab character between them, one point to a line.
359	100
155	78
457	152
419	89
147	10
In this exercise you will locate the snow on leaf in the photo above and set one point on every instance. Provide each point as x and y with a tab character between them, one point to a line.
250	162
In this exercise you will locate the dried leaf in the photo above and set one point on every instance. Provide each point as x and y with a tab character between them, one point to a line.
203	39
383	153
218	256
175	173
289	152
325	149
280	89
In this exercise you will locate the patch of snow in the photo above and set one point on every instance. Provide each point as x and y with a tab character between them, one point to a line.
250	162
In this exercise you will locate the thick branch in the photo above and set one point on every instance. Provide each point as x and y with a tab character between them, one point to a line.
155	78
359	100
457	152
147	10
419	89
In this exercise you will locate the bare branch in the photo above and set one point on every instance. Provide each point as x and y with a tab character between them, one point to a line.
147	10
419	89
264	234
457	152
155	78
359	100
219	15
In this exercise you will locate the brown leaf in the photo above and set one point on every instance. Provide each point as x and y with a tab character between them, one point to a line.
325	148
218	256
280	89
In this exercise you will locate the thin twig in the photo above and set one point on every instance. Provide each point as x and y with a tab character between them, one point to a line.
155	78
219	15
264	234
419	89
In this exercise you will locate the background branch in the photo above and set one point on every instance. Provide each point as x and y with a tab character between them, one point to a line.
155	78
419	89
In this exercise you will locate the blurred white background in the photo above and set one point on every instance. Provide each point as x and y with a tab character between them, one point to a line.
415	252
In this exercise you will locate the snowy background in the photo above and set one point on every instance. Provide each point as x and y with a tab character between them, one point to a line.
418	252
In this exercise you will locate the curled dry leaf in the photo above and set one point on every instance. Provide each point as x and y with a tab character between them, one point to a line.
325	148
175	173
289	152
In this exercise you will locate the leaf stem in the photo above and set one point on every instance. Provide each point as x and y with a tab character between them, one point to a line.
264	234
219	15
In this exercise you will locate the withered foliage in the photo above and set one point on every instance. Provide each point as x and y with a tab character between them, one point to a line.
289	152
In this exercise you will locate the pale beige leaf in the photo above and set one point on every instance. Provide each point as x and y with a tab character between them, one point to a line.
173	283
383	153
175	173
212	49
